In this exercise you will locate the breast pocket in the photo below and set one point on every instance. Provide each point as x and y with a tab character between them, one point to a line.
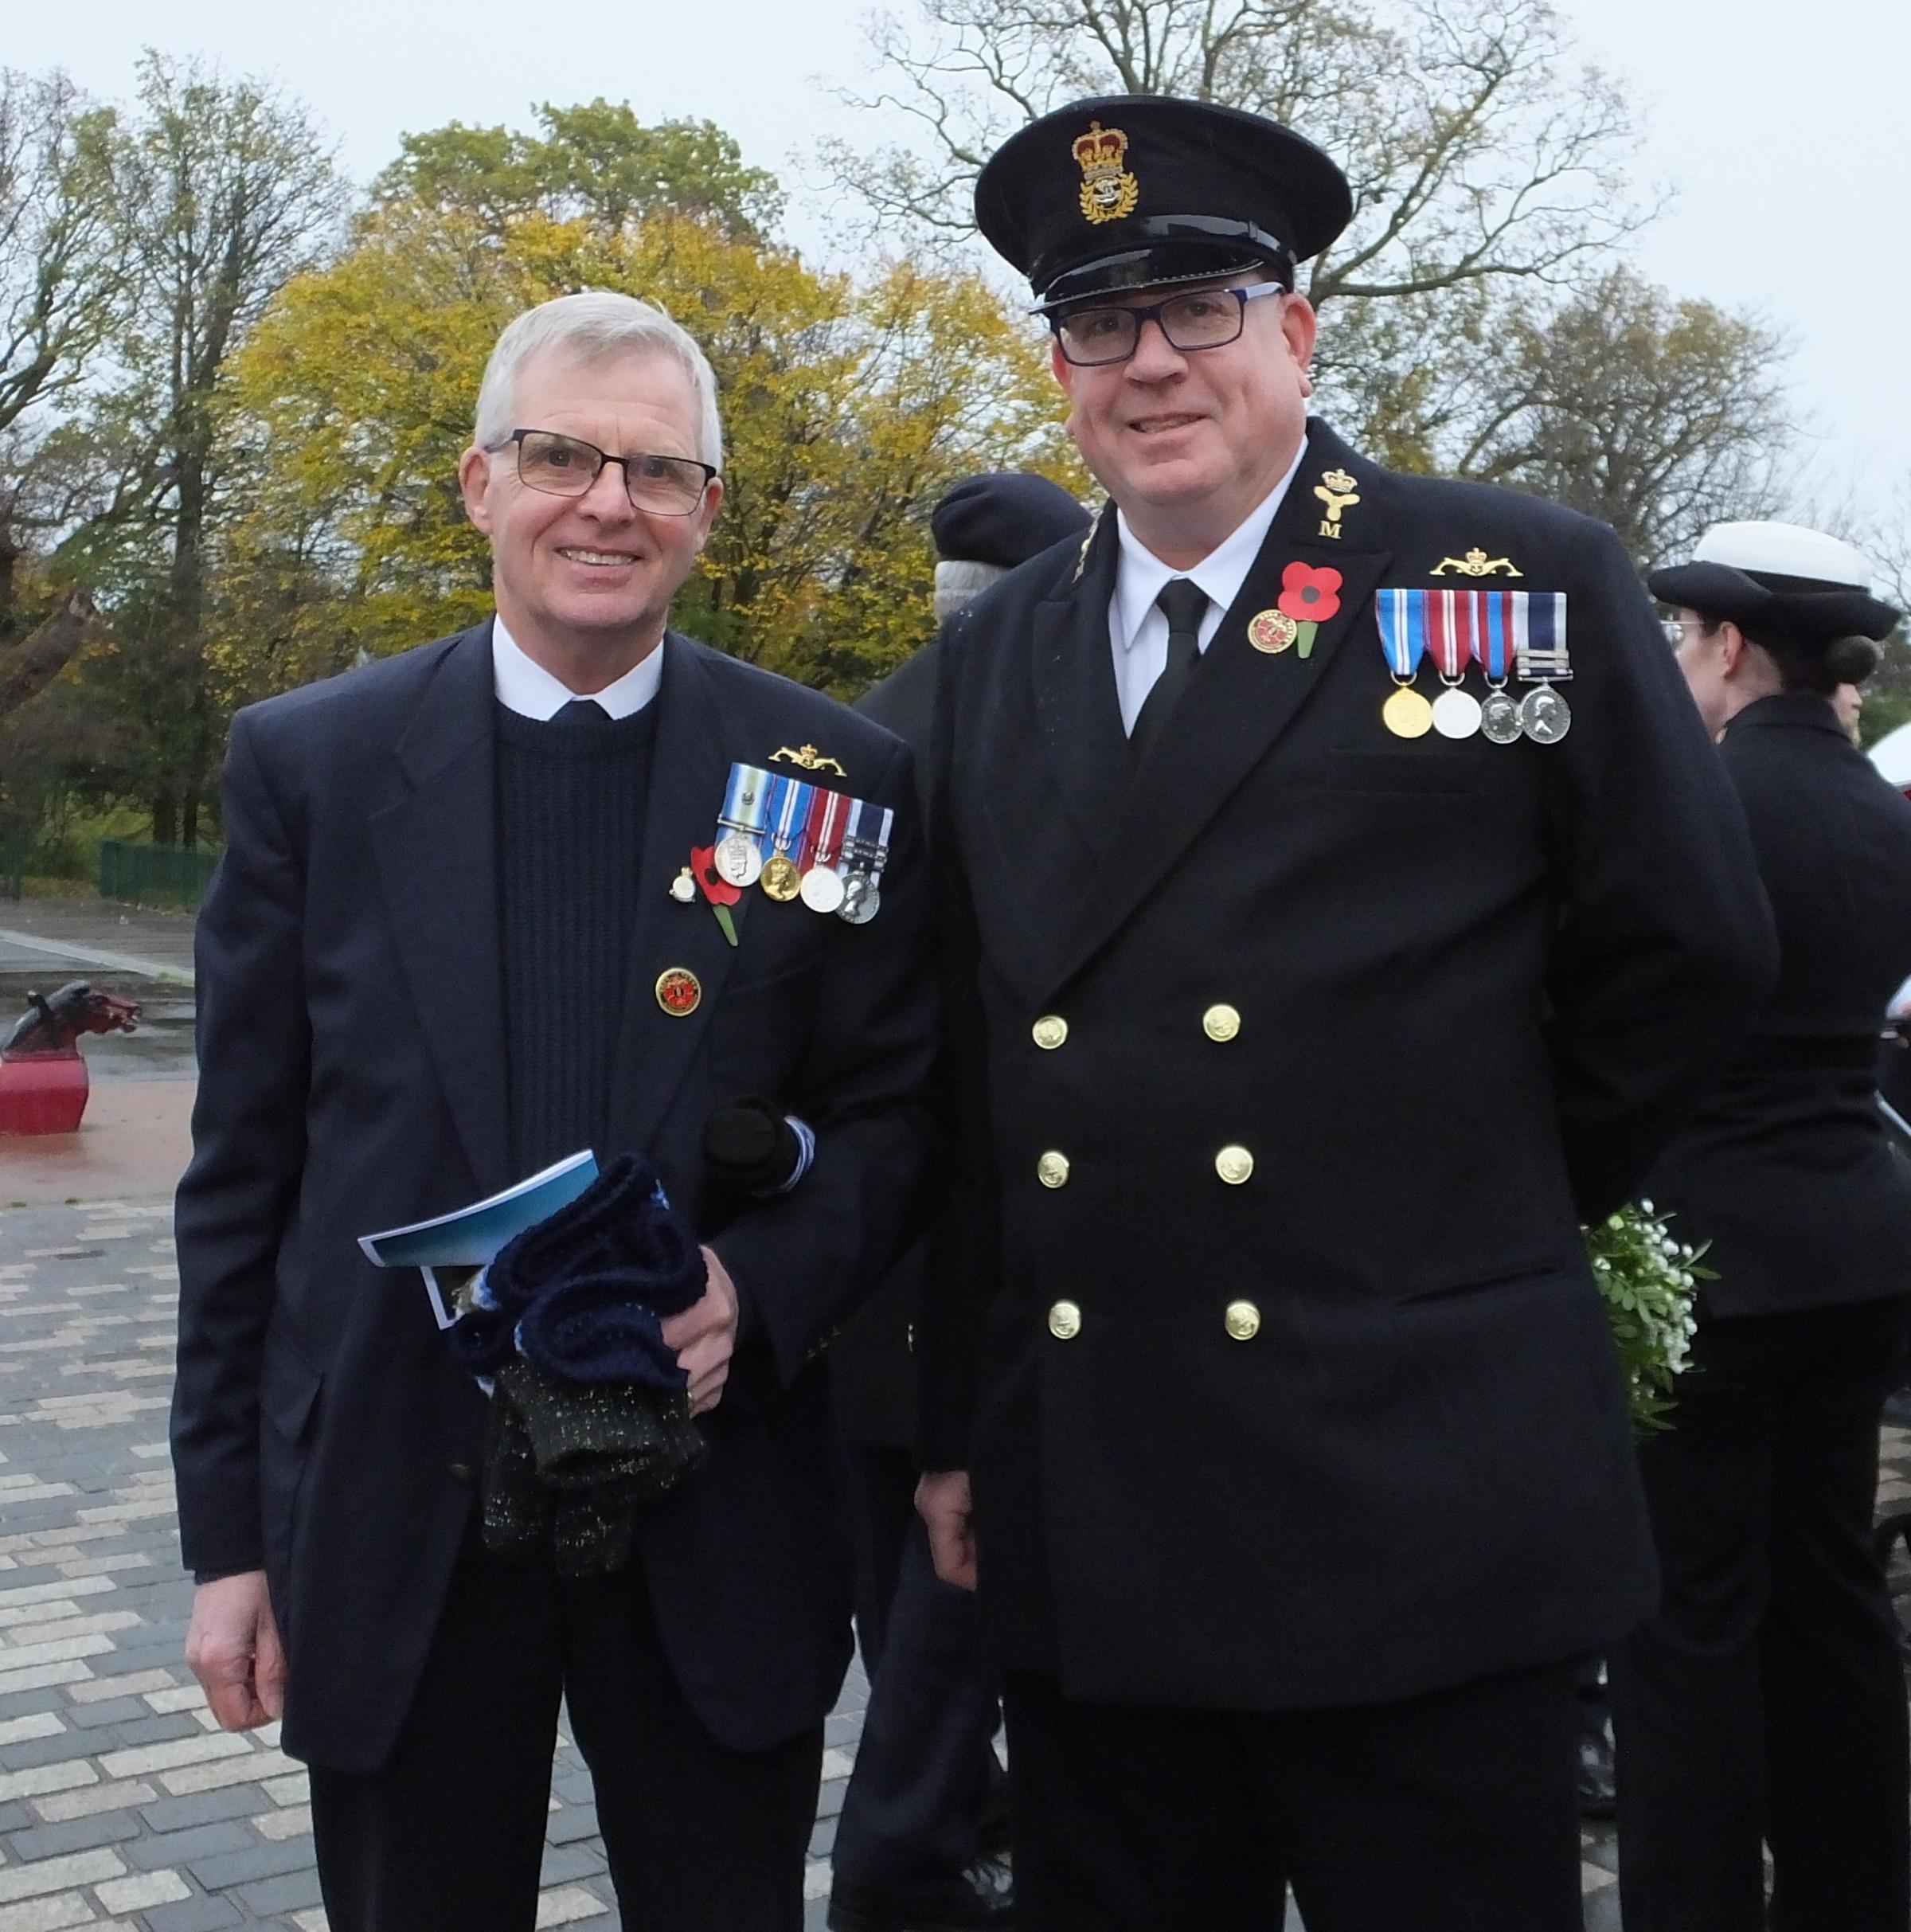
760	1028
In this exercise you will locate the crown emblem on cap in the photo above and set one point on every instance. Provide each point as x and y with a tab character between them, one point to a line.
1108	191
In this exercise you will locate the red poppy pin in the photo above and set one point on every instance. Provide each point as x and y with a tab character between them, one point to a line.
1310	594
721	894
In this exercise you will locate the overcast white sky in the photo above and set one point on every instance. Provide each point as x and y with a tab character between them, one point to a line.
1781	127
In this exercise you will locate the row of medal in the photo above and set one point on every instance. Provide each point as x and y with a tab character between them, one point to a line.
799	841
1494	629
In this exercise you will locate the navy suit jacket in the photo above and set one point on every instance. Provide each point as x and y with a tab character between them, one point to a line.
352	1049
1785	1171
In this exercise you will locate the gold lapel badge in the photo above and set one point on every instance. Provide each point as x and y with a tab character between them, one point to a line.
1475	563
1272	630
810	759
1337	491
1108	191
679	991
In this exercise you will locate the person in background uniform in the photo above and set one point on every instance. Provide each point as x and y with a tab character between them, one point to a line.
1766	1699
455	936
923	1821
1310	979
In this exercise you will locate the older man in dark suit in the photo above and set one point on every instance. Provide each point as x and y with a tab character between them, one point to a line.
465	925
1342	903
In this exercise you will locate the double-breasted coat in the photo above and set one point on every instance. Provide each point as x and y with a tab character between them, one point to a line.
1285	1073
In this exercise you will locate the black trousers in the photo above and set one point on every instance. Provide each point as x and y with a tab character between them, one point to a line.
1766	1700
1451	1813
449	1837
926	1795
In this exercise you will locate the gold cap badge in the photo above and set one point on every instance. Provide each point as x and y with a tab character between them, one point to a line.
1108	191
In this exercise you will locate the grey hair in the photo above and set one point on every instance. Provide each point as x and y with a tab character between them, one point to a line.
959	581
594	327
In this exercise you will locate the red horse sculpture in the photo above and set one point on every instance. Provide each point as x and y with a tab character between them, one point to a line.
43	1079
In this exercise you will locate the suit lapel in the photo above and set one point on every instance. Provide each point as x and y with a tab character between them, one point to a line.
1240	702
690	765
435	852
1077	705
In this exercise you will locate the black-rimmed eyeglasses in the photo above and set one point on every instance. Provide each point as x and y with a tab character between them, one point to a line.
1203	319
566	466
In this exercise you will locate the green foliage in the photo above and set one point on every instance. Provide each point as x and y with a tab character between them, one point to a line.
1648	1282
596	163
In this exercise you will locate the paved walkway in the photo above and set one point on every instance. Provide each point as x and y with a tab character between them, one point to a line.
99	932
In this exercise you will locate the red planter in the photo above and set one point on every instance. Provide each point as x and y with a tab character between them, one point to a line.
42	1093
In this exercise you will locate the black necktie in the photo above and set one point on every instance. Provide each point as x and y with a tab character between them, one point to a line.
583	712
1183	603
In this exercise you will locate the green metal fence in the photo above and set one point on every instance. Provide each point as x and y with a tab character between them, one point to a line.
155	874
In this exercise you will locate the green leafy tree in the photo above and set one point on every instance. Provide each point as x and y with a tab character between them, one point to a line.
223	190
594	163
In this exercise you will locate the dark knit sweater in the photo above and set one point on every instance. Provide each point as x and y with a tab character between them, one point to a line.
570	838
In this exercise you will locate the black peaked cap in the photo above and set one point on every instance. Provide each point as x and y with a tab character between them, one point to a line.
1135	190
1004	519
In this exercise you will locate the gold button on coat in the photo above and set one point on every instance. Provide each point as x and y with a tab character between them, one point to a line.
1244	1321
1220	1023
1052	1170
1050	1031
1065	1321
1234	1164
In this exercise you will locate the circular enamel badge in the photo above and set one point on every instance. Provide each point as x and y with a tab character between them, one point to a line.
679	991
1272	630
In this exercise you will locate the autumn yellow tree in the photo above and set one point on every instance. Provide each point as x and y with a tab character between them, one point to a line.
849	405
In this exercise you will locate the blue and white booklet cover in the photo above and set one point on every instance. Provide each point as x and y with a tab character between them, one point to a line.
469	1237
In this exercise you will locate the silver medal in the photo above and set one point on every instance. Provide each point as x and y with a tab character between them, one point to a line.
1499	718
1456	712
739	862
1543	716
860	902
823	889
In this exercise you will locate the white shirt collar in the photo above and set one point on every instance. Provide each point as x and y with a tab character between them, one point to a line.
1140	573
524	685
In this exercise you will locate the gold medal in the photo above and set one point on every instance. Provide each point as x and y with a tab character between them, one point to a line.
781	880
1406	714
1272	630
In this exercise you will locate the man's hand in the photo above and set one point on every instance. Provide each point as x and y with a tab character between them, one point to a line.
942	1500
232	1648
704	1336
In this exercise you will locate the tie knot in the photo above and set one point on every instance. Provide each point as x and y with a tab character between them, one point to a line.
584	712
1184	604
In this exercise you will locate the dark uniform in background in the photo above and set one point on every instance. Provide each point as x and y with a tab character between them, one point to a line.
925	1812
1766	1699
1287	1062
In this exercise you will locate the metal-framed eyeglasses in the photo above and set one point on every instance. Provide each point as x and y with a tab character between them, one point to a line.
1202	318
567	466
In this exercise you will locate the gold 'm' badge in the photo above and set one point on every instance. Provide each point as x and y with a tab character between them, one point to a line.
1336	491
1108	191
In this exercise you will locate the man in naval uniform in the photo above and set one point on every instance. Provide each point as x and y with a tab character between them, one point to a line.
1342	905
